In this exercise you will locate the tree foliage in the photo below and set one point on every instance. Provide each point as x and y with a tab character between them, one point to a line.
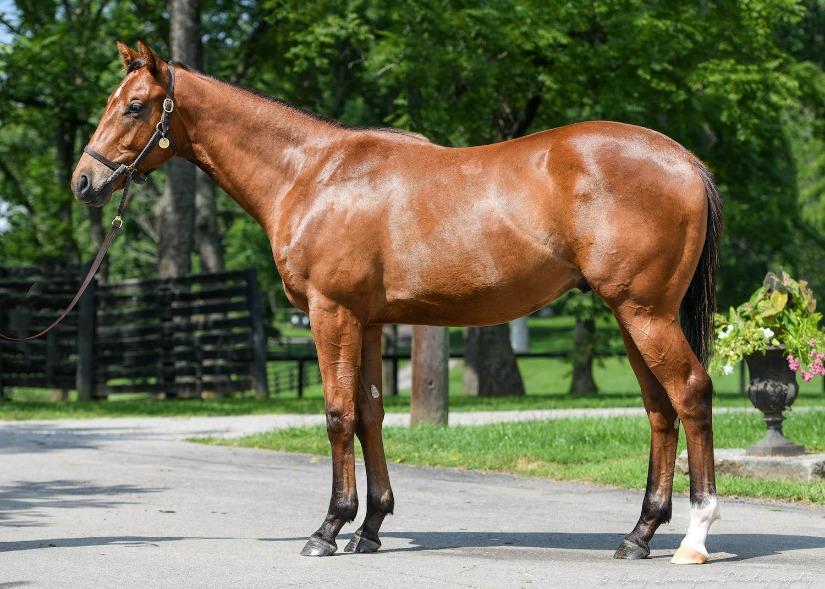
740	82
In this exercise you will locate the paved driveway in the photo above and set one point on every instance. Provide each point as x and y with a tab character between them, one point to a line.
125	503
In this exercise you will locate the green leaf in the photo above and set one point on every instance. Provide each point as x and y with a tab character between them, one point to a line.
778	300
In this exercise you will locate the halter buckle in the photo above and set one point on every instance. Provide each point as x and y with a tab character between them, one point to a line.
117	222
168	105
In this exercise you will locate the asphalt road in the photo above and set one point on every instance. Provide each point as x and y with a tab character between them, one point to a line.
127	503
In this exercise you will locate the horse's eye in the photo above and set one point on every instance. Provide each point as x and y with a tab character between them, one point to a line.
134	107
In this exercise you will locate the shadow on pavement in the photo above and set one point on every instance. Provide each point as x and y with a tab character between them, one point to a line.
135	541
21	502
737	546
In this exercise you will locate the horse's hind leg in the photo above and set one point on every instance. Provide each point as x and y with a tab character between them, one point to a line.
368	429
664	436
338	337
662	344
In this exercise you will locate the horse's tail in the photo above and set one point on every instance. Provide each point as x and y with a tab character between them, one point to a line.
699	303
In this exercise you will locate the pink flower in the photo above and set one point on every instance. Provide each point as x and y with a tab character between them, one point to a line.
807	376
812	342
793	364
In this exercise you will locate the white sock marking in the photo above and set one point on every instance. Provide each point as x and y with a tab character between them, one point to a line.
701	519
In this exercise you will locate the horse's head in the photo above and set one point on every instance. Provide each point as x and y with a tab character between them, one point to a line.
136	133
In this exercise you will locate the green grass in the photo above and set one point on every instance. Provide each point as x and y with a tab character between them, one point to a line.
610	452
617	390
546	381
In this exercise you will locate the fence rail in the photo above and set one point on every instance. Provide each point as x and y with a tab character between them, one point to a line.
304	370
177	337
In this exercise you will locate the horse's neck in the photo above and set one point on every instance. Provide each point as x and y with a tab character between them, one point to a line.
254	148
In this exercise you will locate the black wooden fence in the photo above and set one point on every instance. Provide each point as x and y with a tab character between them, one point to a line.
30	300
178	337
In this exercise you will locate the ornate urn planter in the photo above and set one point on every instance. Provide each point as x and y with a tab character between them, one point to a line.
772	390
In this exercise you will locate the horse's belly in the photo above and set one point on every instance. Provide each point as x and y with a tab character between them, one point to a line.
477	291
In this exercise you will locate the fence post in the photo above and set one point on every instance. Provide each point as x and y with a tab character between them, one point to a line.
259	376
430	375
520	335
86	328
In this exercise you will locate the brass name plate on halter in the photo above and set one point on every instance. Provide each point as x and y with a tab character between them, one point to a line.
163	143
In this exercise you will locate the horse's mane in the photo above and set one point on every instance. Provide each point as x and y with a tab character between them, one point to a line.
135	65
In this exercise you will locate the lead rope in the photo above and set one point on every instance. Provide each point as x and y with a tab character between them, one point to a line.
117	223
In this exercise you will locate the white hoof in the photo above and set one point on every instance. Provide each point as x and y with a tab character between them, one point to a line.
687	555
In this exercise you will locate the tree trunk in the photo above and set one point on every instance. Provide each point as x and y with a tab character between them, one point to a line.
176	220
65	134
490	367
584	351
430	377
207	237
176	209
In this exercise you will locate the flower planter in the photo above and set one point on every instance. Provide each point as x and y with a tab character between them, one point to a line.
772	390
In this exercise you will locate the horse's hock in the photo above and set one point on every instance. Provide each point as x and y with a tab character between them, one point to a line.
181	337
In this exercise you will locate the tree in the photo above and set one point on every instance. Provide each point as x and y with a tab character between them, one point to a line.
740	83
56	70
490	367
176	209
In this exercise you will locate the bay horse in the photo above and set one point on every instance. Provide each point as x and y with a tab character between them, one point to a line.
376	226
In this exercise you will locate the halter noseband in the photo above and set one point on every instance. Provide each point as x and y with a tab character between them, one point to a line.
160	137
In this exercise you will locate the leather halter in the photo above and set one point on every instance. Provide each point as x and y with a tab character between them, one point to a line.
161	132
131	173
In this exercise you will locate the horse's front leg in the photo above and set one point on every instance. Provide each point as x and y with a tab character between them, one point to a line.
368	429
338	337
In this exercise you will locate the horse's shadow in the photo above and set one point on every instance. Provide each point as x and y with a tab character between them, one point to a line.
735	547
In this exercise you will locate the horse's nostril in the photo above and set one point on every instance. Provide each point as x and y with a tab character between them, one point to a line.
83	184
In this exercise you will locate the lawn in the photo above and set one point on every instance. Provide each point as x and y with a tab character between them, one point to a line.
546	380
611	452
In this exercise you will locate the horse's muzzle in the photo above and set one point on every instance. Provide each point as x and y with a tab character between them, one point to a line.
86	193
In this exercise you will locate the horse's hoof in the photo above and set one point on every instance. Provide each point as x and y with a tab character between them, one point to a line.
362	545
319	547
629	550
685	555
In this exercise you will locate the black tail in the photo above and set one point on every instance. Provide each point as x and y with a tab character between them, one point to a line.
699	303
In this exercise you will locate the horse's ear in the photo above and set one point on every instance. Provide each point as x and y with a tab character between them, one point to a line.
149	57
127	54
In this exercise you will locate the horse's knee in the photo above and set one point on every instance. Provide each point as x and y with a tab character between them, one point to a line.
340	422
664	426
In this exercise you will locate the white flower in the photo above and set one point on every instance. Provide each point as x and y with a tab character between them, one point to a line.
726	333
727	370
767	332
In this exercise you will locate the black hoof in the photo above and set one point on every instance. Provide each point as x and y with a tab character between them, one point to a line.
361	544
629	550
319	547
